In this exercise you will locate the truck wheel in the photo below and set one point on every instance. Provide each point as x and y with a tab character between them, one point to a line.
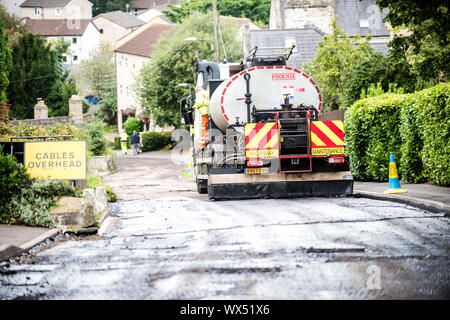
202	187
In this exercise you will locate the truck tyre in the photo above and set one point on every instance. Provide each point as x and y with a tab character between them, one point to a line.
202	186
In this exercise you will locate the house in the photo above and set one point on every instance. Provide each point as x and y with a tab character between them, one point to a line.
82	35
362	17
131	53
115	25
143	5
56	9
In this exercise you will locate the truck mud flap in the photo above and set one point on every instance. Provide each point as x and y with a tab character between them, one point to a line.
280	188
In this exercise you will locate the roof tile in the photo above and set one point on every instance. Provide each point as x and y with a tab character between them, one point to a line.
143	43
57	27
45	3
122	18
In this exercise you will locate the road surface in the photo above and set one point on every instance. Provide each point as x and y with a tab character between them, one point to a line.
167	242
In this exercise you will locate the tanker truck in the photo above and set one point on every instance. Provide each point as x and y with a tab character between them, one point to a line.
256	131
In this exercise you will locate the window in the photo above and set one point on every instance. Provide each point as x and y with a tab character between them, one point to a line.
37	11
121	91
74	40
126	62
127	90
57	11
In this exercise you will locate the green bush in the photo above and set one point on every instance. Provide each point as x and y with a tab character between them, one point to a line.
433	111
13	179
415	127
155	141
94	181
92	132
28	201
410	164
133	124
32	206
373	134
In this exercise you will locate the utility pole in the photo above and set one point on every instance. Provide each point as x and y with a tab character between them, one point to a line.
215	22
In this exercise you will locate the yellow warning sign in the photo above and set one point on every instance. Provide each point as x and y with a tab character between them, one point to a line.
56	160
325	151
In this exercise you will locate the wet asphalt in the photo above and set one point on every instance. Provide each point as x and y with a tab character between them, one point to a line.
164	241
183	248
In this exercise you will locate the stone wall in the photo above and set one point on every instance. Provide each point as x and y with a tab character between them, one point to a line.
75	117
320	16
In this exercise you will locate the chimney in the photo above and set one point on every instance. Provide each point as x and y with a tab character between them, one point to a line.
40	110
76	108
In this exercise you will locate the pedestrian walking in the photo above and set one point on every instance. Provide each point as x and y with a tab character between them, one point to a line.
123	142
135	142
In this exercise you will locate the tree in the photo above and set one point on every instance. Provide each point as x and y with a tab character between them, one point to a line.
335	57
5	63
58	97
387	71
255	10
61	91
37	73
12	24
108	106
34	73
98	73
102	6
422	36
172	63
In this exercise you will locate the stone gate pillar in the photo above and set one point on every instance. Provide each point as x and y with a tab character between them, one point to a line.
40	110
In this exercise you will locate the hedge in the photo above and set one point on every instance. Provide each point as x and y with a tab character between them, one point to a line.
26	129
155	141
415	127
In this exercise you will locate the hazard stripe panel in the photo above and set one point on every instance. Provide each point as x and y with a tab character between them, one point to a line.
327	137
261	140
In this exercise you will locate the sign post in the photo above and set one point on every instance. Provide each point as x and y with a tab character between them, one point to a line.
56	160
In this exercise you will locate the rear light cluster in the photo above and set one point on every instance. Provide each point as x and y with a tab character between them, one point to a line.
336	160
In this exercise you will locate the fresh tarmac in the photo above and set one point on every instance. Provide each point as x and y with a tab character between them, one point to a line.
164	241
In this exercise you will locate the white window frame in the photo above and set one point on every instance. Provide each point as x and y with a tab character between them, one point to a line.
57	11
37	11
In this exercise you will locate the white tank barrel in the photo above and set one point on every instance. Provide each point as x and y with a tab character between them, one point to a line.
268	84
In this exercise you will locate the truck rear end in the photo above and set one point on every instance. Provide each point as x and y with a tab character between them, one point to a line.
264	137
